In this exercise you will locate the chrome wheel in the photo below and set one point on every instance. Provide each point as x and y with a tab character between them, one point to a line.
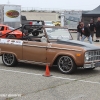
66	64
9	59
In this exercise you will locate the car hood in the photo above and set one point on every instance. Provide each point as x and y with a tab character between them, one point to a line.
86	46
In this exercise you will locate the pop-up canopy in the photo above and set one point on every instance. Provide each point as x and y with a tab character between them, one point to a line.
93	13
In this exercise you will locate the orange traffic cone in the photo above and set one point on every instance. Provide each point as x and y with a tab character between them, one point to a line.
47	72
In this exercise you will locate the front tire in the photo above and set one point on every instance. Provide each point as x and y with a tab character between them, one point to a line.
66	64
9	59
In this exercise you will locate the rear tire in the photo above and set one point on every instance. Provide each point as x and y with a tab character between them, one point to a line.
9	59
66	64
35	33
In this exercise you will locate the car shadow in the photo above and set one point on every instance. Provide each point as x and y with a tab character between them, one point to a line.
54	69
87	71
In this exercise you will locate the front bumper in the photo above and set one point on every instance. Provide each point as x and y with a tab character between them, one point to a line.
92	65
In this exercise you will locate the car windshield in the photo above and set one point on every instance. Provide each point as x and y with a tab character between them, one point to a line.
1	28
11	28
58	33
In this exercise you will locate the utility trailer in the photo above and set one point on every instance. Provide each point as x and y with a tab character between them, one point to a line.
10	15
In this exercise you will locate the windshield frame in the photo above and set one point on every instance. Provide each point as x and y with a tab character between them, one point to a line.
59	27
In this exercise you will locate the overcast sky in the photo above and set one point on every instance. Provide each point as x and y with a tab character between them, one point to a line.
56	4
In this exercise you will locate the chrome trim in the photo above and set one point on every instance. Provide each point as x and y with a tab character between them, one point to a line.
94	56
51	47
34	46
92	61
88	62
33	62
91	65
64	49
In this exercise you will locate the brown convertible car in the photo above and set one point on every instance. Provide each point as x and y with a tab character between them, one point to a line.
55	46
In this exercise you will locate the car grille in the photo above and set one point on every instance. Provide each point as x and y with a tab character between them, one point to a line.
94	55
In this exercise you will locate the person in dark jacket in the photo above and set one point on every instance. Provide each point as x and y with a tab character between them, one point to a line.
91	26
79	35
97	29
86	33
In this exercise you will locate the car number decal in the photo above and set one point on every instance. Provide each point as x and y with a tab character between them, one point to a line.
10	41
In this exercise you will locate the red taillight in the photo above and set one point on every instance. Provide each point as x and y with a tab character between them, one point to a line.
31	23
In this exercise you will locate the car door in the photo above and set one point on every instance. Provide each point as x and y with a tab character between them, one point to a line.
3	31
34	51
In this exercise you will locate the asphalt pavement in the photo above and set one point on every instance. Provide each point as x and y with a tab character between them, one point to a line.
26	82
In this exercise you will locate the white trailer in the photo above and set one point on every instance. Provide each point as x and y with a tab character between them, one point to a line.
10	15
71	19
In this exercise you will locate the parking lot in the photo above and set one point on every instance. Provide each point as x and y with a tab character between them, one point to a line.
26	82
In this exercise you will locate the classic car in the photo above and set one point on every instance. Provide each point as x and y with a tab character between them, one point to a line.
5	28
55	46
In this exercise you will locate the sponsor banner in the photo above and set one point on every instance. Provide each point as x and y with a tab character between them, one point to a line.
72	18
10	41
12	13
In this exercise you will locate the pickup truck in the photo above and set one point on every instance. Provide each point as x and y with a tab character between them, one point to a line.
24	21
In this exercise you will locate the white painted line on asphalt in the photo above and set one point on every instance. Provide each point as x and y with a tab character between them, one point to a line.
64	78
19	72
5	70
76	80
89	82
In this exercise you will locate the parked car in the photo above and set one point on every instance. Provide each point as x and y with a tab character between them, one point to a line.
54	47
5	28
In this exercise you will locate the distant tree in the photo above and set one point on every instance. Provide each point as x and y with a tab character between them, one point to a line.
23	10
53	11
32	10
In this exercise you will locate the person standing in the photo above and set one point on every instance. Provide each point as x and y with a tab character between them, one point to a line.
91	26
79	34
97	29
85	33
